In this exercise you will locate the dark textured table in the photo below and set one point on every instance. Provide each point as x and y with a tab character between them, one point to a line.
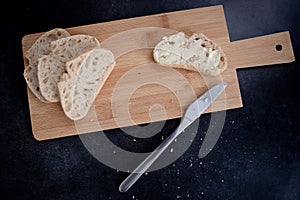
257	156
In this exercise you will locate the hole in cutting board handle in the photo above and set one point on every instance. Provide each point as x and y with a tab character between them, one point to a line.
278	47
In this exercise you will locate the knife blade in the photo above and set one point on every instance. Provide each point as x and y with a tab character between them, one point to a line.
192	113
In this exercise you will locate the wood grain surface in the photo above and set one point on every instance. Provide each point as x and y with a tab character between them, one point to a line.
138	90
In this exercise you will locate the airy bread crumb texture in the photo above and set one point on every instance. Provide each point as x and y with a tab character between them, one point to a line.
53	65
40	48
84	78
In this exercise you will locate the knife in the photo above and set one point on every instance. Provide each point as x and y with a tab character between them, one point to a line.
192	113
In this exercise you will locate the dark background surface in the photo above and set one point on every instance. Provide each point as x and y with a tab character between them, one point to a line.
257	157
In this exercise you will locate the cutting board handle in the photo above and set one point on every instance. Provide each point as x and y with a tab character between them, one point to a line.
265	50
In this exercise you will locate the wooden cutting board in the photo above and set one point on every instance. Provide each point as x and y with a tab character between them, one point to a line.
139	91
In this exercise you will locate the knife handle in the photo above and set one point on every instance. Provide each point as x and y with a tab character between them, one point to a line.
265	50
142	168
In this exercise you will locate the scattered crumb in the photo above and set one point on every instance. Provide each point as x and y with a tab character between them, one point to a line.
202	193
200	163
162	137
114	152
134	139
174	165
232	122
146	173
178	187
171	150
175	140
275	157
178	171
222	180
166	184
191	165
133	197
178	197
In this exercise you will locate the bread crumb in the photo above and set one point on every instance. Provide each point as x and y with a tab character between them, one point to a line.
171	150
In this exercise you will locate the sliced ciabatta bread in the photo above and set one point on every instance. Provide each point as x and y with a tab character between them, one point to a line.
53	65
197	53
39	48
84	77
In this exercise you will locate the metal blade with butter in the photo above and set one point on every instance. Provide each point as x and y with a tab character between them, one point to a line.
192	113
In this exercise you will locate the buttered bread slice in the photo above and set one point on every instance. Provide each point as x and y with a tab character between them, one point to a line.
197	53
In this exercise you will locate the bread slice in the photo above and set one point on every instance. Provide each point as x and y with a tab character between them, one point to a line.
84	78
38	49
197	53
52	66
